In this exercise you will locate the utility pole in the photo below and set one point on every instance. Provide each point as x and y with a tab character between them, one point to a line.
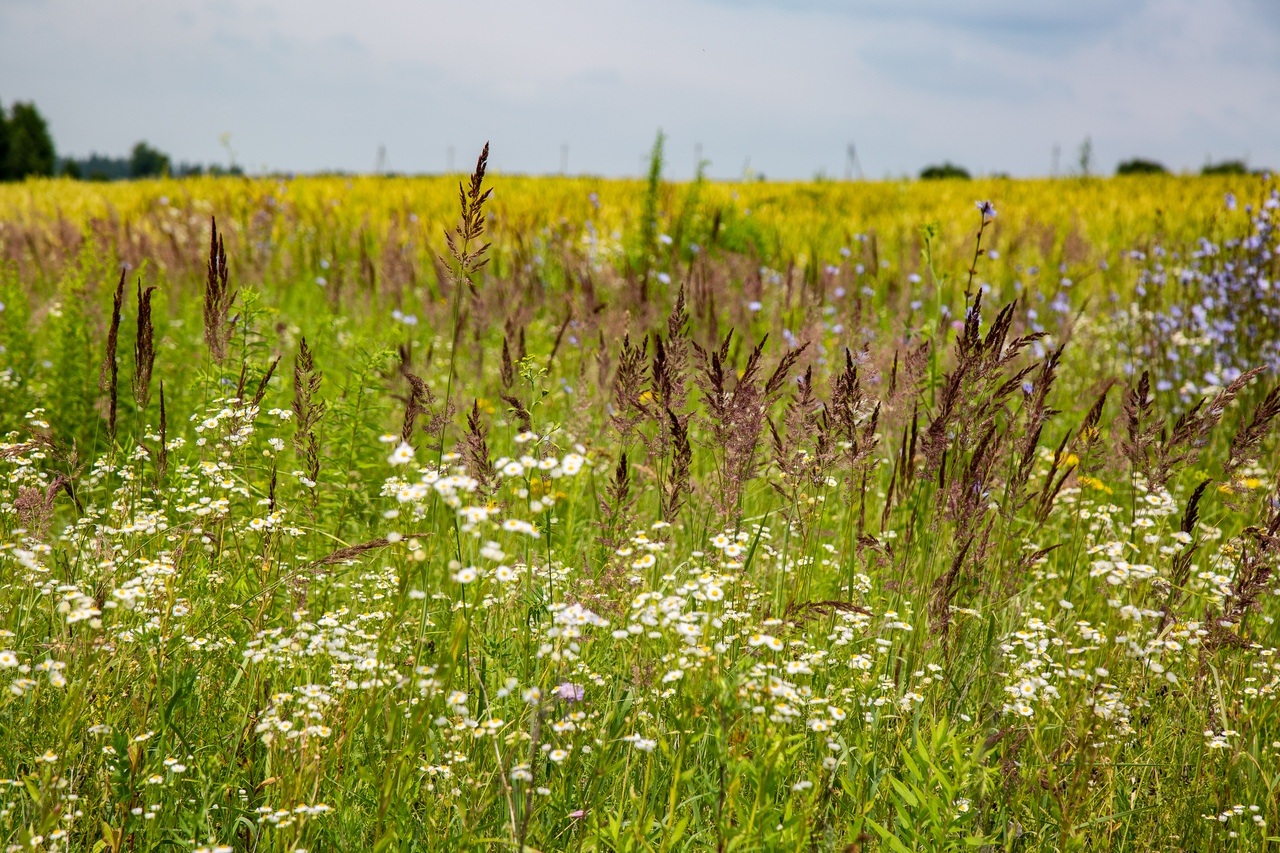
697	159
380	165
851	163
1057	154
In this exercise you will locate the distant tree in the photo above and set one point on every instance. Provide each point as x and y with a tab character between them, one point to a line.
30	145
946	170
1226	167
147	162
71	169
1139	166
4	143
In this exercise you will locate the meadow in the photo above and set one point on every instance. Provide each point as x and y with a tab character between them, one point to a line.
388	514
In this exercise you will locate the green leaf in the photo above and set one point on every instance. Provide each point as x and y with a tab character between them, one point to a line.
894	844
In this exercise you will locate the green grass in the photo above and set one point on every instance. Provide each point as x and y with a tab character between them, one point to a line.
902	589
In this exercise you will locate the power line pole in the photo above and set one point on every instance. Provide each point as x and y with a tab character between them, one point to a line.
851	162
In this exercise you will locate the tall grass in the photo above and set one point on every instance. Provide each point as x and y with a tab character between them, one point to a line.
803	549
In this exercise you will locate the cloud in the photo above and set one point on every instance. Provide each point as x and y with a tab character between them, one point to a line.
312	84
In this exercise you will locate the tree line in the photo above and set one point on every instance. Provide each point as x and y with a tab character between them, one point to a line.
27	150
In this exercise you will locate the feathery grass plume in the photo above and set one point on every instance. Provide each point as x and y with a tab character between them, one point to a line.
471	201
468	261
907	375
975	392
1259	556
949	584
34	505
474	451
418	403
513	332
217	297
259	394
308	409
1180	565
668	374
675	487
144	349
1188	436
519	409
1248	438
1061	467
508	375
615	504
667	406
736	417
630	410
1036	413
109	378
564	326
852	419
1089	436
799	419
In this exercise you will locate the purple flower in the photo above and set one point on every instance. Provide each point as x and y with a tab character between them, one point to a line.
570	692
988	210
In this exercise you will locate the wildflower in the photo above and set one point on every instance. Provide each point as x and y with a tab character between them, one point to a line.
557	755
641	743
8	659
570	692
766	640
402	455
465	576
987	209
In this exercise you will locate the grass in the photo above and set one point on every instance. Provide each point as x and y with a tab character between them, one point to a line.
818	527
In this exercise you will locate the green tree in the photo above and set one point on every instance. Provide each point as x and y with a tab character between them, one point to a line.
1226	167
30	145
1139	166
944	171
4	143
147	162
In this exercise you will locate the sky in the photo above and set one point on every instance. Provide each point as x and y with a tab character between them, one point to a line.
773	87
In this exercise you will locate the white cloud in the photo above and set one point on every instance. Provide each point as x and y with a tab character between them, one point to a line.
310	84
